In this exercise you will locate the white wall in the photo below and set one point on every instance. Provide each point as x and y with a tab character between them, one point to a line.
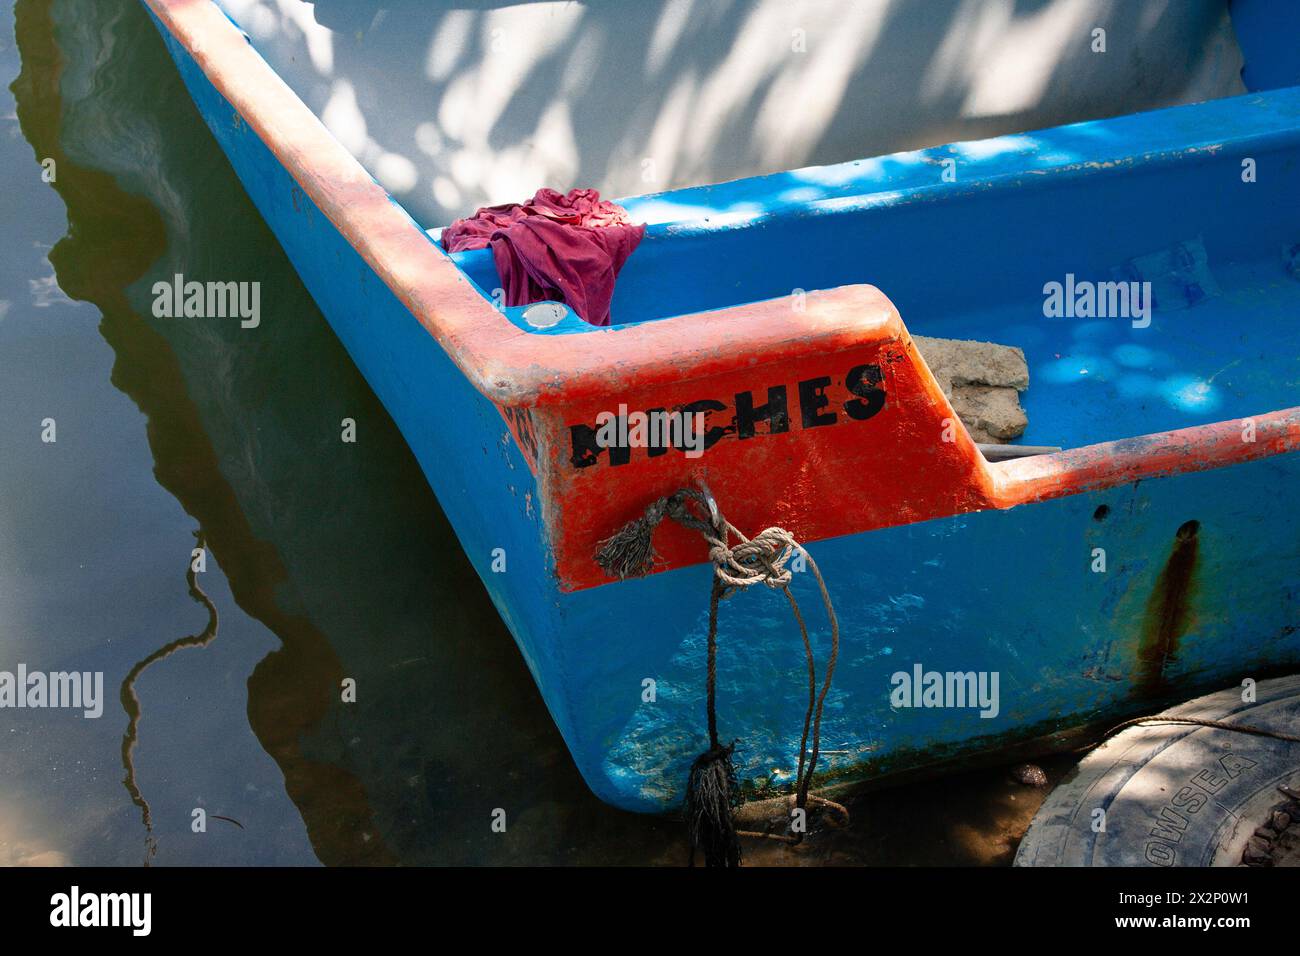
453	105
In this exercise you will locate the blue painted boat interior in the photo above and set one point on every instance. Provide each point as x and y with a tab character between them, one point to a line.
1267	32
968	259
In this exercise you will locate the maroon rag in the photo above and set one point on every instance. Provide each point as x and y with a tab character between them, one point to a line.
554	246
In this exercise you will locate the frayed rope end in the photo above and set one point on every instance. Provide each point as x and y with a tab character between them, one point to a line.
629	552
711	796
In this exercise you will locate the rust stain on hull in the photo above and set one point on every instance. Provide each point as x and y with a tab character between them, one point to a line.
1168	611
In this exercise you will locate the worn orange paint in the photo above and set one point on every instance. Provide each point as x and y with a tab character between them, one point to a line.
507	364
853	475
891	469
1108	464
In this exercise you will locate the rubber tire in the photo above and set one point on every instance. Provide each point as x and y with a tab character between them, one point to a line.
1179	795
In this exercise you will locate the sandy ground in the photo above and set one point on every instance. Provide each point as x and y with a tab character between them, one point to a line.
968	819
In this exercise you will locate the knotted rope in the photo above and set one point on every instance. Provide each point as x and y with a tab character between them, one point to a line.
711	792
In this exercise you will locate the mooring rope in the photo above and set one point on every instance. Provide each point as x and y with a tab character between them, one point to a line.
1190	721
711	788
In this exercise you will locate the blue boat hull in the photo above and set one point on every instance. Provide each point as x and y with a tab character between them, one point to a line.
1008	592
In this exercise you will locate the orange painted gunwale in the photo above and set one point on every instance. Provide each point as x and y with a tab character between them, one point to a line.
510	366
516	369
1106	465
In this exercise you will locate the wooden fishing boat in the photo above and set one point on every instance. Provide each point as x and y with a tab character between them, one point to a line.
1156	556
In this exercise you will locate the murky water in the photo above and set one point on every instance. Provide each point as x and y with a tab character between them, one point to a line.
221	686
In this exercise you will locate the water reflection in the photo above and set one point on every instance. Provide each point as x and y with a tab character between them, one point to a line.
131	700
340	550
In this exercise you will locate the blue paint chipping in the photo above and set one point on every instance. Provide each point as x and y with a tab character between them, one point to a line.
1012	591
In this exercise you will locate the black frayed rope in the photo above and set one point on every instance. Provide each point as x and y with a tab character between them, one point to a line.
711	791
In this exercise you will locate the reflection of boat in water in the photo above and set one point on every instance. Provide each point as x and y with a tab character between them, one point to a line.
131	700
230	426
1122	571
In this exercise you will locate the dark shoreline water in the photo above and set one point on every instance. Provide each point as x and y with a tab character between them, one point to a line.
325	560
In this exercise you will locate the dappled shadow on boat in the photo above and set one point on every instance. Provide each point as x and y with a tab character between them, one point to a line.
455	104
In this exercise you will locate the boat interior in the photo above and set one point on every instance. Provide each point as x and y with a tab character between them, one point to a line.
1202	202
